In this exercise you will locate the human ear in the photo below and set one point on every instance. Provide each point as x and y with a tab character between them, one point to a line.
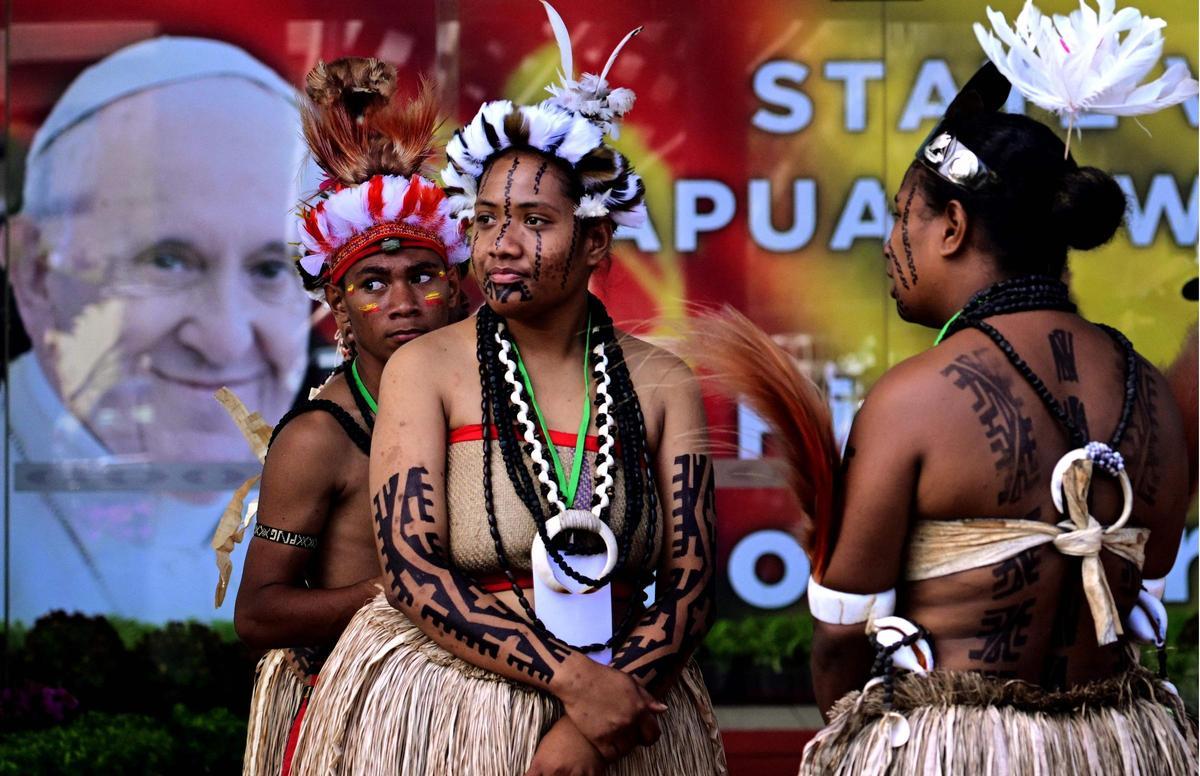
335	297
954	229
597	241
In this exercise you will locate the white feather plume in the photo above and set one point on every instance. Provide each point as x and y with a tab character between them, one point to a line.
1080	63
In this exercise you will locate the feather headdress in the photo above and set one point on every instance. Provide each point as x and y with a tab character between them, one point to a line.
748	365
374	148
1081	63
571	125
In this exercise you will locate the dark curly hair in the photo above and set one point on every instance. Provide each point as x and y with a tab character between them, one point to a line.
1042	204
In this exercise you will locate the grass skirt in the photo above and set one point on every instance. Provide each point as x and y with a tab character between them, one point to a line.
391	701
967	723
278	687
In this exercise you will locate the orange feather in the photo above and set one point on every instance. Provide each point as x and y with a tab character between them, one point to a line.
747	365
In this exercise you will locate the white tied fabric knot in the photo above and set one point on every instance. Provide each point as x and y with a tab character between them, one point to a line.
1080	542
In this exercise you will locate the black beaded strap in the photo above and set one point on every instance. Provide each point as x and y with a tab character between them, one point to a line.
290	538
1034	292
1078	438
360	438
1016	295
496	408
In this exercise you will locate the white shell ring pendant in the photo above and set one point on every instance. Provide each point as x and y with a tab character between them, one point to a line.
1056	487
564	518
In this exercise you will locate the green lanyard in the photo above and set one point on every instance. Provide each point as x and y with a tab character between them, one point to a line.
942	334
362	389
568	487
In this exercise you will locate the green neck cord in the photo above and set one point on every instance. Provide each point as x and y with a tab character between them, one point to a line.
362	388
942	334
568	487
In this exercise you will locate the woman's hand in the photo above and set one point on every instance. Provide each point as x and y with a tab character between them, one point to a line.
564	751
608	707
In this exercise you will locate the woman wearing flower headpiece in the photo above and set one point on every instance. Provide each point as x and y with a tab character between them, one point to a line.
517	496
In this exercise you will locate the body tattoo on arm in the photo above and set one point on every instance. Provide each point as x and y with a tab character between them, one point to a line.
1009	432
431	592
666	634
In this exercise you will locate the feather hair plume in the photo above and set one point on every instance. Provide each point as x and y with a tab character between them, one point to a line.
356	126
748	365
1080	63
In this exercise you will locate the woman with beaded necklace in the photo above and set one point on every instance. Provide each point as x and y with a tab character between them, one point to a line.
999	590
542	438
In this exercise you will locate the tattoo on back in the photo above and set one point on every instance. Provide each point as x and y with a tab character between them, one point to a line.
421	578
1003	631
1016	573
1141	439
667	632
1008	430
1078	415
1062	347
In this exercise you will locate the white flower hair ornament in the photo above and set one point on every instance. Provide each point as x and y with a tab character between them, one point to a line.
570	125
1081	63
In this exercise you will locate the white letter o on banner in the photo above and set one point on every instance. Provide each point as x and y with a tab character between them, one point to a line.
754	591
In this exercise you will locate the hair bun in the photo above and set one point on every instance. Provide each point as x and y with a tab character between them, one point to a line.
1089	207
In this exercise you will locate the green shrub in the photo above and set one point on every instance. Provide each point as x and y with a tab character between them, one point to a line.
101	743
97	743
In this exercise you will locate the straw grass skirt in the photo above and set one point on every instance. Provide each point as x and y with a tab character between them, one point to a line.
391	701
278	688
966	723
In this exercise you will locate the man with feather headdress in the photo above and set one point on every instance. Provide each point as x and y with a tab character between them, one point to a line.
380	248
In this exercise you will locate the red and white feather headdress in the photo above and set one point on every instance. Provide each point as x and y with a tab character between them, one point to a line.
373	148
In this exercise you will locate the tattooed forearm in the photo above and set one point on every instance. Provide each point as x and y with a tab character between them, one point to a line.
427	589
666	634
1008	430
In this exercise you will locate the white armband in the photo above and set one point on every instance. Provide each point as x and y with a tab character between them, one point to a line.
837	608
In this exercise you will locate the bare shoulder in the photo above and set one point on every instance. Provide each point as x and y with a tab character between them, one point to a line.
434	354
305	446
916	393
654	369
